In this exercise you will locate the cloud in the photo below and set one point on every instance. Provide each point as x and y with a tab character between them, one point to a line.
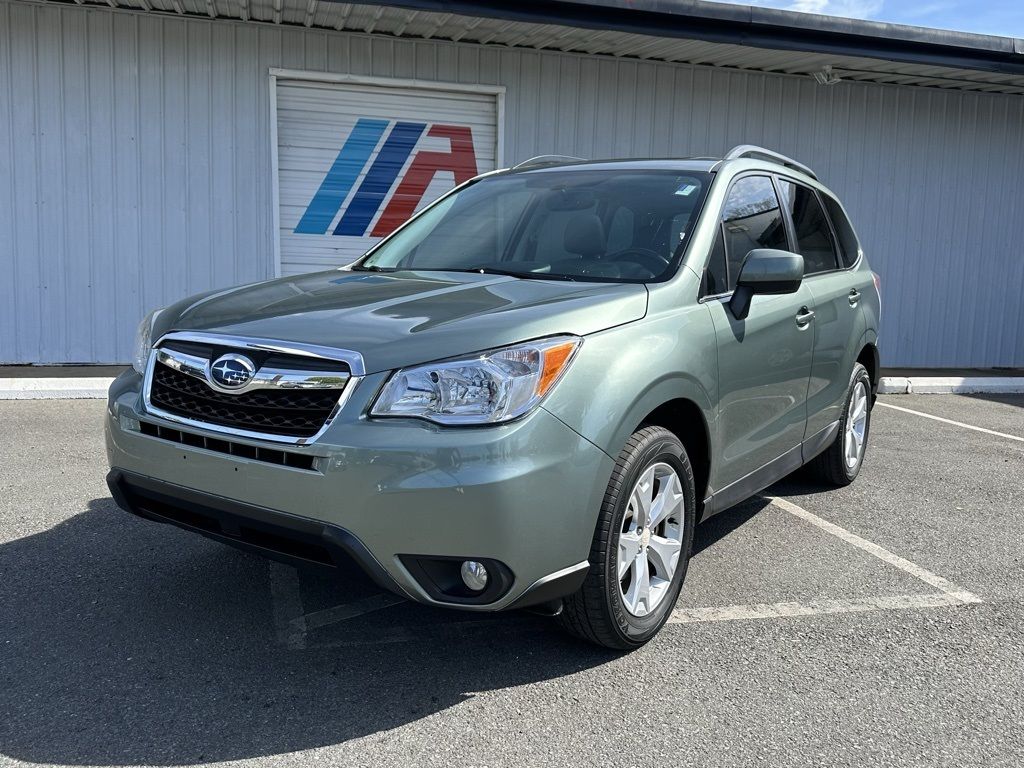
858	9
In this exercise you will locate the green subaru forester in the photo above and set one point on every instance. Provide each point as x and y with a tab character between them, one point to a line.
526	396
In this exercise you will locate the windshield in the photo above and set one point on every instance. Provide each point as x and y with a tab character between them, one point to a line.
608	226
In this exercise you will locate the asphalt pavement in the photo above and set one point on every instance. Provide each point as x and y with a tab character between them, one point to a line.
877	625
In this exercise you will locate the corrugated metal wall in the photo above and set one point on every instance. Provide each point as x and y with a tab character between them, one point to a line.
135	167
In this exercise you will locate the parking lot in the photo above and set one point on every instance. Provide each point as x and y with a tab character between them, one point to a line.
876	625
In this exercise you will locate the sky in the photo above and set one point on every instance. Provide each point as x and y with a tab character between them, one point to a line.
988	17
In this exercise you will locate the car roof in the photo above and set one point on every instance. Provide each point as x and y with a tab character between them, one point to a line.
623	164
750	156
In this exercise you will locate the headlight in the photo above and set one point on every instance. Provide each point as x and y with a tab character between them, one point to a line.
489	388
144	342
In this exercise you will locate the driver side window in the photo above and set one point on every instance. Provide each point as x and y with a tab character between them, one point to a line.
751	218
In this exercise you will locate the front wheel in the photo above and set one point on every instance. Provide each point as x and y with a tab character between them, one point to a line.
641	547
840	463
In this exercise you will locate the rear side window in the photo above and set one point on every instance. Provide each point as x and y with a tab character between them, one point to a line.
849	246
751	219
813	235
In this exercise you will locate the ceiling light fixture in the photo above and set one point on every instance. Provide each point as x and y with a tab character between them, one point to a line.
826	76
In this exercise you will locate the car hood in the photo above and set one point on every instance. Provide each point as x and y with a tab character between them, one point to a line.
401	318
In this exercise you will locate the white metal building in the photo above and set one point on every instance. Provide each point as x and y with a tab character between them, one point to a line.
151	149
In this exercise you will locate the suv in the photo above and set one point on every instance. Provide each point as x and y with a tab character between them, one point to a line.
526	396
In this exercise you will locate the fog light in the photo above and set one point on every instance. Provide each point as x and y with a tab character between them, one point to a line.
474	575
128	424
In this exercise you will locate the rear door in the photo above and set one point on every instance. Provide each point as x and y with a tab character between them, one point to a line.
836	297
764	361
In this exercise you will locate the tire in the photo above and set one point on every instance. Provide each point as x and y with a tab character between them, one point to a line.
832	465
601	611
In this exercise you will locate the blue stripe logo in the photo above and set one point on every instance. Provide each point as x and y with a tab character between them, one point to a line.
343	174
379	178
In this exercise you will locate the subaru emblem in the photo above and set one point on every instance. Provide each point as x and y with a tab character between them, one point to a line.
232	371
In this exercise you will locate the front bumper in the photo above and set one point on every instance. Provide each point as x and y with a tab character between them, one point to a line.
381	493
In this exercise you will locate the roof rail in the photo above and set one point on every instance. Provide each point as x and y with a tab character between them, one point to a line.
749	150
542	160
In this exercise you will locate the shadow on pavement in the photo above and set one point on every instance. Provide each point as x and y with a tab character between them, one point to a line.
716	528
1008	399
127	642
801	483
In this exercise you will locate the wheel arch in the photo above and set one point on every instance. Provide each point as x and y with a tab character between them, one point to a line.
870	359
684	418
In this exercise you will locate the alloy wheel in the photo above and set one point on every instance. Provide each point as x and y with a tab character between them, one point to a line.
650	540
856	425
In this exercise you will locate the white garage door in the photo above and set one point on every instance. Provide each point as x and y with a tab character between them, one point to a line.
356	160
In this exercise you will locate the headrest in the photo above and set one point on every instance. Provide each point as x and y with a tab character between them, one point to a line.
584	235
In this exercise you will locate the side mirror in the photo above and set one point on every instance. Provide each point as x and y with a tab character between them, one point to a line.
767	271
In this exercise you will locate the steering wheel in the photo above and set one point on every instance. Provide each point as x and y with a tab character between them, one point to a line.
650	260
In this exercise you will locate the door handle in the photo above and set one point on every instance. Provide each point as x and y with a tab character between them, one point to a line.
854	297
804	317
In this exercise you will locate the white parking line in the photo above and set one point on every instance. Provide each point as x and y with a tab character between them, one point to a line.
950	421
347	611
950	594
811	608
880	552
291	621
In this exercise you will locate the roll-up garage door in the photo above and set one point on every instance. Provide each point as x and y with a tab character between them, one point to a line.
356	160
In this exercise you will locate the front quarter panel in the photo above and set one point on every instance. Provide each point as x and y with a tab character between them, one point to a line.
623	374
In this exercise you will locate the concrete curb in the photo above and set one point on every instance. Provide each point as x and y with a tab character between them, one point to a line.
55	388
945	385
96	387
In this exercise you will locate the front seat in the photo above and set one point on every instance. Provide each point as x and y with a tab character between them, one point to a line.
585	237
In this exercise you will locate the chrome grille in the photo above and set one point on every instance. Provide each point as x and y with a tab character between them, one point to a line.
295	412
292	396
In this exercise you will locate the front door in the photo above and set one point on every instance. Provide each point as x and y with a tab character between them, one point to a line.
764	360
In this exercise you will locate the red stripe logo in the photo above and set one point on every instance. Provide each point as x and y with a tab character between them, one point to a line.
460	160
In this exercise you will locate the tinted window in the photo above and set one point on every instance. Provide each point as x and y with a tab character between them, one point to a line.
751	219
813	236
849	247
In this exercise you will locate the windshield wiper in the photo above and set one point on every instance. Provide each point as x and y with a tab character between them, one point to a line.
513	273
372	268
472	270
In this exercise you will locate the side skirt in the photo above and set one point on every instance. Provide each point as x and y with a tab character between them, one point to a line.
773	471
819	441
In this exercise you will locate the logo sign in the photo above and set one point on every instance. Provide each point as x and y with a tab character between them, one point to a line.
378	189
232	371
